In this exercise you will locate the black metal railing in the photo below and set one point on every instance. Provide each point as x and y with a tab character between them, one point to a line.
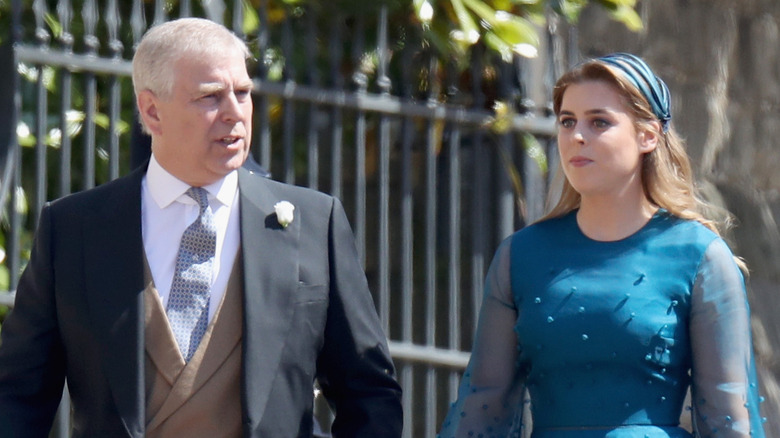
407	139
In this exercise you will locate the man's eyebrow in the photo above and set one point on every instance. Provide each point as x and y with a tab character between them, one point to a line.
210	87
215	87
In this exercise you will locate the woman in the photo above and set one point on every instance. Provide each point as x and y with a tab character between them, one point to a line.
609	308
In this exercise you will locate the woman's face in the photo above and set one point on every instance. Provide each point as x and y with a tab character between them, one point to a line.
600	148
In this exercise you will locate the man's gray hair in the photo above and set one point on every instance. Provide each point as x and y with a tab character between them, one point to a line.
168	42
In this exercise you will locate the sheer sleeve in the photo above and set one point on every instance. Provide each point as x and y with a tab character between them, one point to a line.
724	390
490	392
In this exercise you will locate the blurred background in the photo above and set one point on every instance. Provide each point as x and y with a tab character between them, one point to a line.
431	120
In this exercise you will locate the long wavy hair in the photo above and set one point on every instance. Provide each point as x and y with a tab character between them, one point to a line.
667	177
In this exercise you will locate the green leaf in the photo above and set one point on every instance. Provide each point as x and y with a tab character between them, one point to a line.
104	122
423	10
467	24
569	9
54	25
628	16
5	279
480	8
251	19
494	42
514	30
535	151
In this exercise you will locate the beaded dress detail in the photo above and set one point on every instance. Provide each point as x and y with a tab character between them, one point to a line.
607	337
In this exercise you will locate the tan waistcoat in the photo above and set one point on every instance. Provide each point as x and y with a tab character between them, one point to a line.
200	398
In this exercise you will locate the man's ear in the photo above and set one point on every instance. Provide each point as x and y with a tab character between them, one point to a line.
648	138
148	107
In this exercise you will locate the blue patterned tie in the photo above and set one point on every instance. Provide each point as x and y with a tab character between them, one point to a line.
188	303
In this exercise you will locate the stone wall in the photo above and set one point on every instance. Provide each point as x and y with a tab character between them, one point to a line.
721	60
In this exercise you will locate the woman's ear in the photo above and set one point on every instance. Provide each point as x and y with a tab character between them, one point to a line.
648	137
147	103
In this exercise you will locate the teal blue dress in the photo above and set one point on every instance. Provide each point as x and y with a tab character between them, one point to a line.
607	337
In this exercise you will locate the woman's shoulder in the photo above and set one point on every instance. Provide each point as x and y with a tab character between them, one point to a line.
688	231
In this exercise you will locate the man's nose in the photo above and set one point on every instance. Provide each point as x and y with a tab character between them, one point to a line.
232	109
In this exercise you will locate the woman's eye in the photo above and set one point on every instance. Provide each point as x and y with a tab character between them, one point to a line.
601	123
567	123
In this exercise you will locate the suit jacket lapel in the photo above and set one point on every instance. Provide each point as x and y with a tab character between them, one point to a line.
270	257
113	275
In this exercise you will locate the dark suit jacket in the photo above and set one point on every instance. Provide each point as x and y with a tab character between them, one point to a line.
307	314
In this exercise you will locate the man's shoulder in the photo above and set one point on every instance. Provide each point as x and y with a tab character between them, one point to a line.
282	191
124	188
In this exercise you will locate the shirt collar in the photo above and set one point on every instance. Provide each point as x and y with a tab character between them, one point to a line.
166	188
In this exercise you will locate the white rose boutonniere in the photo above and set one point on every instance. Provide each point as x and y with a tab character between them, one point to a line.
284	213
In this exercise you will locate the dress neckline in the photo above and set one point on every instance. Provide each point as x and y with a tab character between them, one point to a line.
658	216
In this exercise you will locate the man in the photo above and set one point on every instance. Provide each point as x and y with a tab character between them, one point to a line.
178	301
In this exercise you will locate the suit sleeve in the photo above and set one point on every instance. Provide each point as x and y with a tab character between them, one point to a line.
32	364
355	370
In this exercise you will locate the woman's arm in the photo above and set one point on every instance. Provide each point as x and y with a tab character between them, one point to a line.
725	390
490	391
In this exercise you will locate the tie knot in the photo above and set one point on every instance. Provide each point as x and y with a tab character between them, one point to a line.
200	195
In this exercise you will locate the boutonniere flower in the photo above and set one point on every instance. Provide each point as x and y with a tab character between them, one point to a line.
284	213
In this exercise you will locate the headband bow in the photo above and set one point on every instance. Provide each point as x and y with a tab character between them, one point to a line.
642	77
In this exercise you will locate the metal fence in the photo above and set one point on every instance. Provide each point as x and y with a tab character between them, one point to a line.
344	103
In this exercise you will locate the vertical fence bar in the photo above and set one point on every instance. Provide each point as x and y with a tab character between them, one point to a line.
479	194
115	91
431	155
15	180
407	246
361	81
506	196
262	115
160	16
383	82
337	113
312	76
137	21
65	14
42	36
238	18
454	236
185	8
89	15
288	75
40	143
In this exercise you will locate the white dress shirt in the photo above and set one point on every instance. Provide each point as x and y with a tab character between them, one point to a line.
166	211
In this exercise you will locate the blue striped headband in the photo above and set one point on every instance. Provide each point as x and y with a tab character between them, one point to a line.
651	86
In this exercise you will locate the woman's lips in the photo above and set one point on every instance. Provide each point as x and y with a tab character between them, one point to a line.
579	161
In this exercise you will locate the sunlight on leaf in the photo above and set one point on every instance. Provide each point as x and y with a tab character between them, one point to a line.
424	10
21	201
54	138
628	16
501	122
104	122
73	122
251	19
24	136
514	30
469	32
54	24
535	151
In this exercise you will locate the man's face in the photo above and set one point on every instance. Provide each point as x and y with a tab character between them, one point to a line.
202	131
